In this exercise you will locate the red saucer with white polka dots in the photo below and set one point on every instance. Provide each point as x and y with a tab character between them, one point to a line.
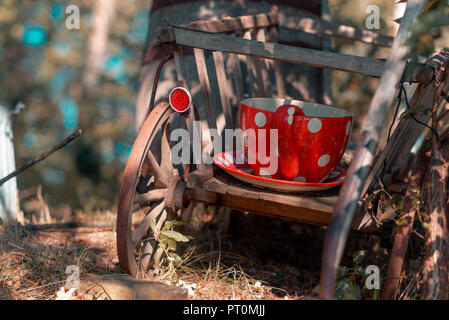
311	137
236	165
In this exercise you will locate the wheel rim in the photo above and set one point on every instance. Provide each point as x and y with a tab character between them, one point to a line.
128	240
139	152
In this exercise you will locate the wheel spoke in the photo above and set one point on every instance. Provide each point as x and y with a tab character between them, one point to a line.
166	161
144	226
150	245
150	196
194	116
160	176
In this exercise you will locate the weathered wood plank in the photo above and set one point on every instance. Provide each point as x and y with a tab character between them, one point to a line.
404	136
358	171
266	50
326	45
307	23
203	75
223	190
223	86
254	70
237	86
231	24
240	196
280	82
265	65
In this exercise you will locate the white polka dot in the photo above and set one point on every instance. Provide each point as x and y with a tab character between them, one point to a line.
224	161
314	125
264	173
323	160
290	112
245	139
348	127
299	179
260	119
229	157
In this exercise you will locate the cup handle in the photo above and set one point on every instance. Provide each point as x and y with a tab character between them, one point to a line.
288	155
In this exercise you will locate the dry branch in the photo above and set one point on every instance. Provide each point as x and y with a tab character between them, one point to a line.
401	239
435	267
42	156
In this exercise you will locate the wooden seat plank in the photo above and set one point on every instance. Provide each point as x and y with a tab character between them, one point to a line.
315	208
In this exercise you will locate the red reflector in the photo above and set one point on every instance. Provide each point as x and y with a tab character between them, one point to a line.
180	99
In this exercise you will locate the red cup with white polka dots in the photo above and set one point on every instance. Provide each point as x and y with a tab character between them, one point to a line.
311	138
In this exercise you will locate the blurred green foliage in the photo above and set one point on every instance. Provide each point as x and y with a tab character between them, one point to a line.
42	64
429	31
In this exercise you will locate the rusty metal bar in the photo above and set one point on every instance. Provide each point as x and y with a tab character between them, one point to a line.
156	81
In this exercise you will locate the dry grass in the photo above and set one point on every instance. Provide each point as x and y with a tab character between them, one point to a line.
33	264
259	258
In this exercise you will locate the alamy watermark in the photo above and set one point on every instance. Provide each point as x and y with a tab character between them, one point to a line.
249	139
372	280
372	21
72	22
73	277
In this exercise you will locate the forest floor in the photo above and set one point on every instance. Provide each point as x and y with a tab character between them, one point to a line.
258	258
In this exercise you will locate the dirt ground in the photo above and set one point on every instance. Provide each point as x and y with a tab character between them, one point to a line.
258	258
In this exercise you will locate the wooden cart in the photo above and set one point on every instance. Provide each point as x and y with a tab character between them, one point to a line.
150	179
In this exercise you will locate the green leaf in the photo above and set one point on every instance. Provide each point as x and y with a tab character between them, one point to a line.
376	294
358	256
167	225
347	291
316	290
175	236
171	244
342	271
415	202
177	259
157	255
401	222
153	226
396	201
415	189
361	271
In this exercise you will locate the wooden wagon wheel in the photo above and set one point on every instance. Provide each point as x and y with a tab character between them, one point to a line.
146	183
